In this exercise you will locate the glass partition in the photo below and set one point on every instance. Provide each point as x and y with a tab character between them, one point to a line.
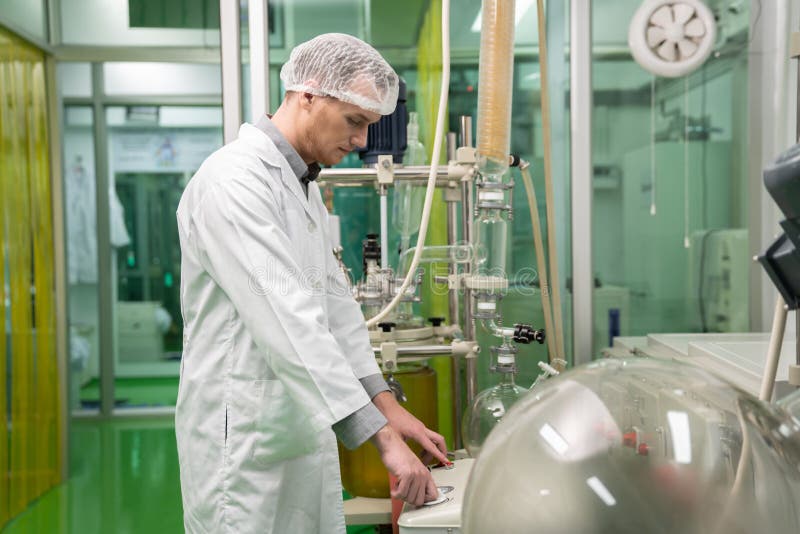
670	246
81	232
153	152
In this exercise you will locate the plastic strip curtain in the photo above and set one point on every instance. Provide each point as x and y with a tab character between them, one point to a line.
29	456
429	65
5	163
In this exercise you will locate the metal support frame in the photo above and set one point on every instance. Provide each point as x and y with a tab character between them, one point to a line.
769	133
452	239
259	58
230	52
469	321
105	305
580	14
59	254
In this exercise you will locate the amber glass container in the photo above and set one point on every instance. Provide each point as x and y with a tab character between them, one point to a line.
363	473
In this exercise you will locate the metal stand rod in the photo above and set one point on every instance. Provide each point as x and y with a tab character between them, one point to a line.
416	174
469	323
452	238
419	350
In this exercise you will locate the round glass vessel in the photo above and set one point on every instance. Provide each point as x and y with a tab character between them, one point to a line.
639	445
487	410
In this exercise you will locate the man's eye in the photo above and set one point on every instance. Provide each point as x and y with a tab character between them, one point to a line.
352	122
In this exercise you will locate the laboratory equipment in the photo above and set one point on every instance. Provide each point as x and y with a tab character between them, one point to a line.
490	406
638	445
444	517
408	198
363	473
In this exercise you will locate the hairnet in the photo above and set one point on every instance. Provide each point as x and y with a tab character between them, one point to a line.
344	67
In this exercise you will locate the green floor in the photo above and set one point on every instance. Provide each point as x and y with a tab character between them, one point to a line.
135	392
124	480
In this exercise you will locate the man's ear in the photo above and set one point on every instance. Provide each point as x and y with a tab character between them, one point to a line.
307	100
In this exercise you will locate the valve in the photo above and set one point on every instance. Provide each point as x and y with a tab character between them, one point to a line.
436	321
387	327
526	334
370	250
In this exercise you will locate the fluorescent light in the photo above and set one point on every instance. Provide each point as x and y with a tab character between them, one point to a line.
554	439
601	491
681	436
521	7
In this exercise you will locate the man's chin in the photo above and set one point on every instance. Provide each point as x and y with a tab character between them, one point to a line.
332	160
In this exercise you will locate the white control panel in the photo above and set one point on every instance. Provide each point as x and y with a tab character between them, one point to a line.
444	517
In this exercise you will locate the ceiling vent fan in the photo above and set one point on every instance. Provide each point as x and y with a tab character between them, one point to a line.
672	37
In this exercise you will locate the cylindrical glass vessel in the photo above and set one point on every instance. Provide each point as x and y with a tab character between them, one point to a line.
363	473
495	74
491	243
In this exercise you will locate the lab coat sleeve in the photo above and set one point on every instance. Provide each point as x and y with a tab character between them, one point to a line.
245	249
347	322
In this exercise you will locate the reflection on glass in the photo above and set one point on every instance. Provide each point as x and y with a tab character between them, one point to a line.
81	231
153	152
638	446
601	490
670	248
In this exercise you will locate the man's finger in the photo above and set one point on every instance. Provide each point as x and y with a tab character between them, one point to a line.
431	447
431	491
401	491
421	489
438	440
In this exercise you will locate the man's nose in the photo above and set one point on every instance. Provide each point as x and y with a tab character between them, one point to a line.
359	140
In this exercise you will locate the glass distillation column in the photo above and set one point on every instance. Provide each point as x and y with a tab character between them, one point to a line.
490	227
488	280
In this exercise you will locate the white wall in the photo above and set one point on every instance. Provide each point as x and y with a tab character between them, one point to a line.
27	16
105	23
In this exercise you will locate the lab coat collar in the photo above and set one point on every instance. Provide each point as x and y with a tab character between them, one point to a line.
266	150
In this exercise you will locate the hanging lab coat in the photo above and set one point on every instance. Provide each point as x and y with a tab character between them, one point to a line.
81	211
274	346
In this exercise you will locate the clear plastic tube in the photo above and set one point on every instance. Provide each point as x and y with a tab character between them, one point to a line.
495	76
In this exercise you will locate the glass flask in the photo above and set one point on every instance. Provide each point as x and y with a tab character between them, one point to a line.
491	405
638	445
363	473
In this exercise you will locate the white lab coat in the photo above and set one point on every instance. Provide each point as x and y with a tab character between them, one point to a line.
274	346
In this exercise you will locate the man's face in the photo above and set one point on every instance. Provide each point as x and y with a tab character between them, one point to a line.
334	128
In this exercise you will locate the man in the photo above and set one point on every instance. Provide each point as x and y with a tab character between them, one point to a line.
277	361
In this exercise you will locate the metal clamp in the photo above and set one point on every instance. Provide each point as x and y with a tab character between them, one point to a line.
465	155
385	170
794	375
389	356
465	349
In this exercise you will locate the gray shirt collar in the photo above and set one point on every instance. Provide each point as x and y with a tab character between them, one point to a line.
305	173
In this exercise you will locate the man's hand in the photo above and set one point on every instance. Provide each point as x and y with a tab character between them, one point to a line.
414	482
409	427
